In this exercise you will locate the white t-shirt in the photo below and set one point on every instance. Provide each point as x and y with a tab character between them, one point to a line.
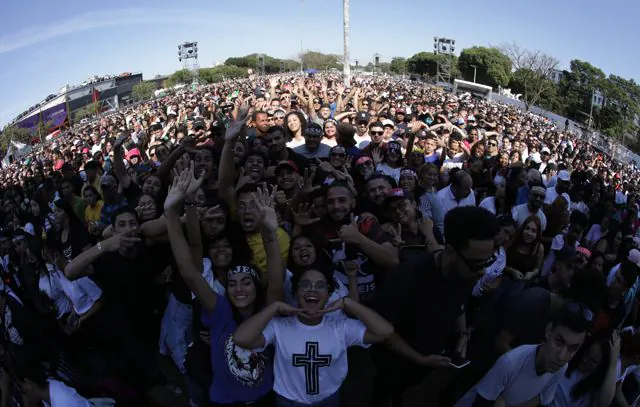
82	293
489	203
564	398
50	286
362	141
311	361
520	213
552	195
514	379
595	233
295	143
64	396
386	169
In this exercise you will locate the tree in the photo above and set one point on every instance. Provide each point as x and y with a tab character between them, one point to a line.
398	65
183	76
15	133
320	61
222	72
492	67
426	63
271	64
578	86
535	69
143	90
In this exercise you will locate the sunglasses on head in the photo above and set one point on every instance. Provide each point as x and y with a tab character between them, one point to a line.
578	308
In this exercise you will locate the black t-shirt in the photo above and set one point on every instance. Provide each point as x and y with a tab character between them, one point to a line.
370	274
77	240
423	305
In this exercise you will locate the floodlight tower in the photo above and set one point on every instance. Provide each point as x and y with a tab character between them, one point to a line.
188	55
445	47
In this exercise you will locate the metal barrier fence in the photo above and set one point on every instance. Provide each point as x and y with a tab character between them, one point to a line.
612	148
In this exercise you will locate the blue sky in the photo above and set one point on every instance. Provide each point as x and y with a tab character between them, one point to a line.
45	45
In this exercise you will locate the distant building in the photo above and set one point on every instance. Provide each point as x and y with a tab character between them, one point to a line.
556	75
597	99
112	92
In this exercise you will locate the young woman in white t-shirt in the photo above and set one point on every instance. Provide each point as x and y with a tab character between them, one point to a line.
310	349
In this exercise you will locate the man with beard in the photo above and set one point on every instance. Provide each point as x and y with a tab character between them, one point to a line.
520	213
312	147
357	239
378	188
260	121
249	221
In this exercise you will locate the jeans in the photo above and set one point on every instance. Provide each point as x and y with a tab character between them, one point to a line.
331	401
175	331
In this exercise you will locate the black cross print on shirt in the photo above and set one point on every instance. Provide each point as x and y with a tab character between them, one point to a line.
312	361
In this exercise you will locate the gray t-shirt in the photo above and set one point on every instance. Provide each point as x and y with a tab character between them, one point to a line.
514	379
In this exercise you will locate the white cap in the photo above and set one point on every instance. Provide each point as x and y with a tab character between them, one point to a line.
387	122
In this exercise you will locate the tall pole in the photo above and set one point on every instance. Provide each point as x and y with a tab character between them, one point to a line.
346	63
301	32
474	73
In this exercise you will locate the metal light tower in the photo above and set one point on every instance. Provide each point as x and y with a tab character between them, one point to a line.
376	64
188	55
446	47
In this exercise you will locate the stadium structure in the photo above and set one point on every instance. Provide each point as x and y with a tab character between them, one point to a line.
60	110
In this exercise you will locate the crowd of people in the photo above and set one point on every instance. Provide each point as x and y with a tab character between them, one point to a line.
291	241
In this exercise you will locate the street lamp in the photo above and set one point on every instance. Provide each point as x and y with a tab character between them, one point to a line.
474	73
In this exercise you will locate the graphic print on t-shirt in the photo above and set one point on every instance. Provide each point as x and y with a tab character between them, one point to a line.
246	366
311	361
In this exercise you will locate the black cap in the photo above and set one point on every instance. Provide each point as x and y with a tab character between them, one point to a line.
362	117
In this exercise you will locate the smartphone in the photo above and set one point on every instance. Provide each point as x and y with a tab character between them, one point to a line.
459	365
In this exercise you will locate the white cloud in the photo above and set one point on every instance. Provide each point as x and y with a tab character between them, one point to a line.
99	19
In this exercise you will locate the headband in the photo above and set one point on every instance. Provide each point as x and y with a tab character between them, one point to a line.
243	269
408	171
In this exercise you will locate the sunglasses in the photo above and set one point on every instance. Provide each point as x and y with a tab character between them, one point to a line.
376	133
338	155
306	285
578	308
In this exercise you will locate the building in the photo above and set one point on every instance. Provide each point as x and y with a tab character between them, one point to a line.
556	75
58	110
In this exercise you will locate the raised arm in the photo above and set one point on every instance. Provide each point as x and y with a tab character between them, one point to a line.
227	174
80	266
265	203
186	265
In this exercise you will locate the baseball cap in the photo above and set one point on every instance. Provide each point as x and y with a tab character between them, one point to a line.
387	122
287	164
362	117
313	129
545	150
564	176
395	194
400	111
134	152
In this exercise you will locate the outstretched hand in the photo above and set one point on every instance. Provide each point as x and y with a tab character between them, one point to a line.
265	202
178	189
238	125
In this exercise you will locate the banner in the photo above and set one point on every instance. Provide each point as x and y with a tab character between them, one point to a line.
54	116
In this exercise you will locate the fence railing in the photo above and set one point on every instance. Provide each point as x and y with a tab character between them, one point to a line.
616	150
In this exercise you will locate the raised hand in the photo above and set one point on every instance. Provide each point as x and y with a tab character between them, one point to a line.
265	202
120	140
307	183
302	217
334	306
123	240
376	154
238	125
178	188
194	183
350	233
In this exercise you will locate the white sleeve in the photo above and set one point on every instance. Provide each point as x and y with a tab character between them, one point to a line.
491	386
549	392
353	331
270	332
557	243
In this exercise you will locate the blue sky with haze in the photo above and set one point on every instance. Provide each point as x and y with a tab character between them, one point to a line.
45	45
